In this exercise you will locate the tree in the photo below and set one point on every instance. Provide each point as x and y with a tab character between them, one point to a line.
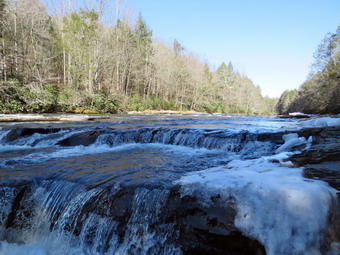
143	56
226	81
321	92
328	50
79	42
286	99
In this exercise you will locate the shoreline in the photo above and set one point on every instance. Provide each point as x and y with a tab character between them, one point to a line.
33	117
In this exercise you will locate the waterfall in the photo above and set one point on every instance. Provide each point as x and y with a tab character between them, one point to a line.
120	188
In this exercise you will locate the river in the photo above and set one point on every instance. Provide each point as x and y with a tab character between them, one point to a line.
160	184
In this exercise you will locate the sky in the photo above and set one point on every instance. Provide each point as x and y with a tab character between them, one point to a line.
270	41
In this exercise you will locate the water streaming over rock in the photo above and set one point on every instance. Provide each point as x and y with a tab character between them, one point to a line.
130	186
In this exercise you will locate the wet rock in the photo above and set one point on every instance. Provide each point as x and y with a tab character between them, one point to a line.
14	134
85	139
233	244
15	207
322	159
318	153
327	171
193	227
20	215
207	229
325	146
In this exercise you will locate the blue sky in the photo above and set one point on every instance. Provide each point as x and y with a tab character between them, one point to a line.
272	42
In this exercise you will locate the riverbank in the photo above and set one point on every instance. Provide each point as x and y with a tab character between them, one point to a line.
25	117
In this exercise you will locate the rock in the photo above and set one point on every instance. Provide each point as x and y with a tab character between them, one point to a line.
75	117
14	134
185	222
85	139
207	229
322	159
325	146
302	116
318	153
327	171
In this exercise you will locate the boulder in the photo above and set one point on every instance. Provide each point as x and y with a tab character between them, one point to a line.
327	171
322	159
84	138
14	134
207	229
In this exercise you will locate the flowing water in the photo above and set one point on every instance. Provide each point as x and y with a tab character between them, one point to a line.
118	186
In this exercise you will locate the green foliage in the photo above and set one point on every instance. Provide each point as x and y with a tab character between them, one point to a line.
151	103
11	95
104	103
285	100
136	104
80	64
12	106
321	92
157	103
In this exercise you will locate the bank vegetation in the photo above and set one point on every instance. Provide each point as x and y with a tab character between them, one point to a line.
96	58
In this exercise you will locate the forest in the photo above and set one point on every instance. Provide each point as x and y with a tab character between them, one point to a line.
320	93
96	57
99	59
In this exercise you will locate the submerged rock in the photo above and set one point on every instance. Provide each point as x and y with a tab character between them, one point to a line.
85	139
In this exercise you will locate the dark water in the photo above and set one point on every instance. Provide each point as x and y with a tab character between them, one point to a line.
110	195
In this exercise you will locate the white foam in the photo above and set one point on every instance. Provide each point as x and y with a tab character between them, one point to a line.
321	122
16	249
3	134
275	204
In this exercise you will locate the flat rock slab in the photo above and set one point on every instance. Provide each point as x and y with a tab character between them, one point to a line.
327	171
322	159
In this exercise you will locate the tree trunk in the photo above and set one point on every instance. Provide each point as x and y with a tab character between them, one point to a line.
15	46
68	69
3	58
64	60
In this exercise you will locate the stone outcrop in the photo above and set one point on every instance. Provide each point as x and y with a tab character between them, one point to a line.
15	134
188	224
84	138
322	159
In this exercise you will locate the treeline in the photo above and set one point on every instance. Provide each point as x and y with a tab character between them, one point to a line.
80	59
321	92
